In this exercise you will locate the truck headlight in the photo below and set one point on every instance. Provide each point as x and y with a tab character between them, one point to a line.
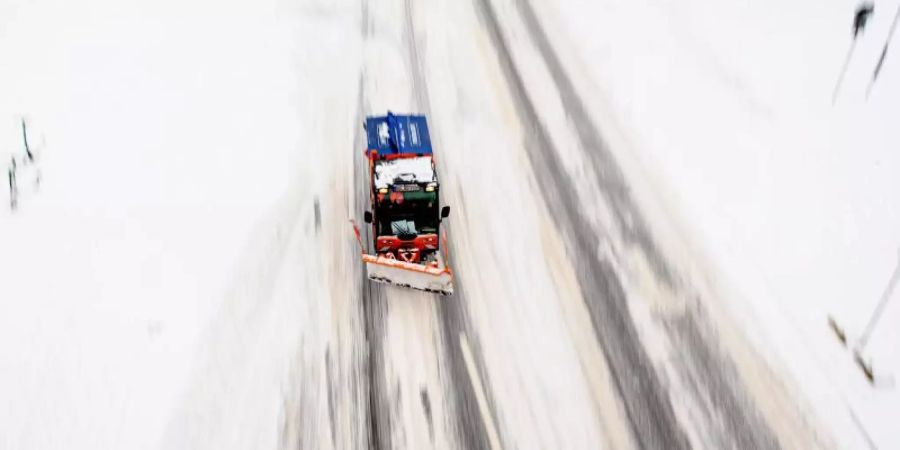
430	187
383	191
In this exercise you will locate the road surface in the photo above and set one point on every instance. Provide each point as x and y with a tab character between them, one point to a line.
578	320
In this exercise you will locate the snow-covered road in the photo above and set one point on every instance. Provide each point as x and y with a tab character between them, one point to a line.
582	317
590	336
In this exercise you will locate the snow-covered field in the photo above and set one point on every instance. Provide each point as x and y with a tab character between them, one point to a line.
184	276
169	133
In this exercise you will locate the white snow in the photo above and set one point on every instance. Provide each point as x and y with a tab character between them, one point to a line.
172	132
182	276
419	169
727	108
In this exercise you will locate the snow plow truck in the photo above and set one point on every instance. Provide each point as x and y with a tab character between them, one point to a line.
405	214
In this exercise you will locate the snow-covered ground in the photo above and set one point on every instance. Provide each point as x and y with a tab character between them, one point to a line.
169	133
728	108
184	275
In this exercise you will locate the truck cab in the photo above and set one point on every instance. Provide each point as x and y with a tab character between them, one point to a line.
406	213
406	210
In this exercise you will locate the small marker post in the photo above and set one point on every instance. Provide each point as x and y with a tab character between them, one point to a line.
873	321
860	18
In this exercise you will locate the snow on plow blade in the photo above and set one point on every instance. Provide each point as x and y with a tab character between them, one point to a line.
417	276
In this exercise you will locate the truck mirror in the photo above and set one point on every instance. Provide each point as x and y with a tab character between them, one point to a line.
445	211
367	217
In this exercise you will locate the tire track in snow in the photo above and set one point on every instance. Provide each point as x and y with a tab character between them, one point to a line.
613	184
712	378
454	323
373	304
461	402
377	411
646	402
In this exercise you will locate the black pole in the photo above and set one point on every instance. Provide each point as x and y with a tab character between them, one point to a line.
25	139
840	80
860	19
883	53
885	297
13	190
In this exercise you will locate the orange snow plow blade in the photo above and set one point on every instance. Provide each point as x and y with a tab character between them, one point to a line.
433	277
437	279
